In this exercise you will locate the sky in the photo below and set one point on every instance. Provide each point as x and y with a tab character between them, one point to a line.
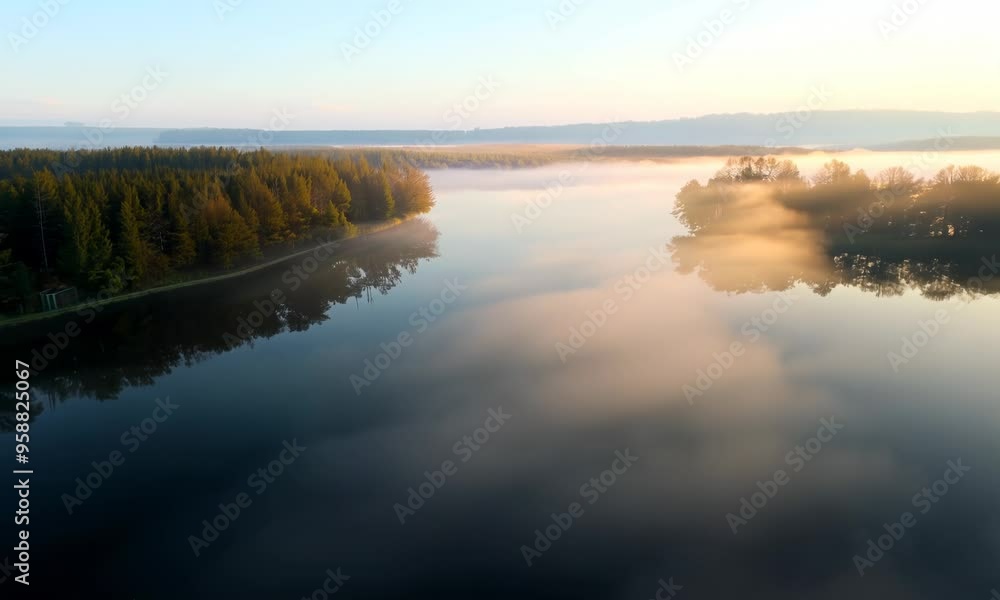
462	64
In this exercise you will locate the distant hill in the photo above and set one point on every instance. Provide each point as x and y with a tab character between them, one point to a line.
954	143
825	129
819	129
75	135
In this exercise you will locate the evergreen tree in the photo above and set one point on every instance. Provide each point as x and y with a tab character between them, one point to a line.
131	246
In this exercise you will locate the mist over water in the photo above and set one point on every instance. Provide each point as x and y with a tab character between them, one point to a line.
596	334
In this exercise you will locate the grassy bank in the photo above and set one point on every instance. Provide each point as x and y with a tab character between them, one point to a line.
521	156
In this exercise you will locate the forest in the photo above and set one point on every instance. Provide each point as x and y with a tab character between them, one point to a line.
127	219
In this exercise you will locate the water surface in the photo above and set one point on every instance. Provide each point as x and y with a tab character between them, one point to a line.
589	328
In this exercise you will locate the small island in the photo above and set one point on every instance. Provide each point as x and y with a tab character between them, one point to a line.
759	225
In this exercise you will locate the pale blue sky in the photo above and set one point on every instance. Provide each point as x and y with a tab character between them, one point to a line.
608	60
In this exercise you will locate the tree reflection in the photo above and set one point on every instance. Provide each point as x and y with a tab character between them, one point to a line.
133	343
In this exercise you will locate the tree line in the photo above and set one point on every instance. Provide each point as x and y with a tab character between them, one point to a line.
526	156
129	218
958	202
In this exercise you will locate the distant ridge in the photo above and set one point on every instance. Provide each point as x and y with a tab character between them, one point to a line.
875	129
953	143
817	129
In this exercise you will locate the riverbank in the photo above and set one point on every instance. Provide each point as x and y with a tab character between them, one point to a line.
362	230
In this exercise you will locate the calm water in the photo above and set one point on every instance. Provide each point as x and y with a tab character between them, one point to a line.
581	332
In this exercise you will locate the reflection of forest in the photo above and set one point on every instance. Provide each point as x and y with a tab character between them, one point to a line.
758	225
130	344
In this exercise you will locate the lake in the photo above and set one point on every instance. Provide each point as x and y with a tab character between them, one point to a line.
533	392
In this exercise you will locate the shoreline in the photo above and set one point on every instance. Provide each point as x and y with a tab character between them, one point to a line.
362	230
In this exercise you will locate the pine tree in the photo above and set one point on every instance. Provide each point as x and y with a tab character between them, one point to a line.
341	196
131	246
181	245
384	204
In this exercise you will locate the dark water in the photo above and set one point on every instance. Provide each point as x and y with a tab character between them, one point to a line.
578	341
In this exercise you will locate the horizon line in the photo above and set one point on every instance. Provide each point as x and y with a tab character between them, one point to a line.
72	124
